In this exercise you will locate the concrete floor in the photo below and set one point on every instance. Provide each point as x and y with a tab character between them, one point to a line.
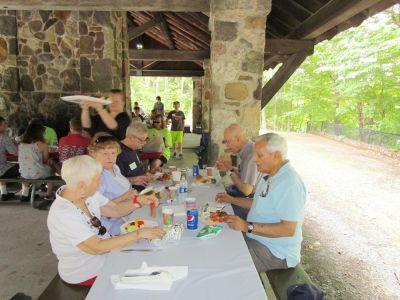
27	263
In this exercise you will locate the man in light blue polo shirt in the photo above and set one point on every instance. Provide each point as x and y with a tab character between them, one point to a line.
273	225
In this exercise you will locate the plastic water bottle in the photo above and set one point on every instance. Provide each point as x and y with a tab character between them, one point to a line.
183	189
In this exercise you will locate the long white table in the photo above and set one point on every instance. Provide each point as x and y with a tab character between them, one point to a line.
219	268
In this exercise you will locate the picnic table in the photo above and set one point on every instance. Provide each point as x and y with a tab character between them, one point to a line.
219	268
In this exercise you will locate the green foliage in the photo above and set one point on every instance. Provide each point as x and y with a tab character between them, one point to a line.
352	79
145	89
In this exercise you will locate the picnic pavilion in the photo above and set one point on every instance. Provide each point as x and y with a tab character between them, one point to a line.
88	47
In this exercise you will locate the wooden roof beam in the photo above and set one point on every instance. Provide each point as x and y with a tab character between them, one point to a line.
330	15
168	73
168	55
101	5
165	30
288	46
281	76
134	32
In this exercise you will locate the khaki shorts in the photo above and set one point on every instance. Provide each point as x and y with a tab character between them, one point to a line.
177	137
262	257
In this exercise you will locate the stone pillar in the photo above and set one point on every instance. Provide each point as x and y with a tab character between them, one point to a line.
68	53
237	60
197	96
8	62
206	97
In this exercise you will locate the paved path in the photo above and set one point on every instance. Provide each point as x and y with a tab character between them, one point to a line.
352	236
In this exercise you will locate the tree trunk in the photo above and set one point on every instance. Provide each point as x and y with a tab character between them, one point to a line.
360	113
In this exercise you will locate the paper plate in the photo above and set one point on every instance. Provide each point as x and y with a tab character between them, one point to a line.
146	224
80	98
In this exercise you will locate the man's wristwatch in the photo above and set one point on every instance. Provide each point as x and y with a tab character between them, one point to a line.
250	227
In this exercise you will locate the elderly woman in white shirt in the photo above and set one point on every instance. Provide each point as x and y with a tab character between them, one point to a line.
77	237
113	185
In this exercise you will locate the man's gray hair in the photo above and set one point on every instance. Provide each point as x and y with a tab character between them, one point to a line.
136	128
80	168
275	143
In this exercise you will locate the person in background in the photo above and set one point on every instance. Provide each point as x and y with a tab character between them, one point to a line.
136	116
177	118
128	160
244	178
159	105
112	119
159	128
274	224
50	134
34	161
136	104
7	169
74	143
77	236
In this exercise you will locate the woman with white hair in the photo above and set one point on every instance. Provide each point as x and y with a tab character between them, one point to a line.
77	237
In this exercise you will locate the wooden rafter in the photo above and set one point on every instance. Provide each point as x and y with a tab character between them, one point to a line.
330	15
101	5
168	55
288	46
134	32
169	73
165	30
281	76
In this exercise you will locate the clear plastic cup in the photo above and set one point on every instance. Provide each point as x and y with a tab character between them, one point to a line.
167	216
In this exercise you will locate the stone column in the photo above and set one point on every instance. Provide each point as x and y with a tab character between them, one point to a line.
197	96
68	53
206	97
8	62
237	56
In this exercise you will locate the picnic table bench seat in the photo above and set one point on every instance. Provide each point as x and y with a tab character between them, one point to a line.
60	290
34	182
280	280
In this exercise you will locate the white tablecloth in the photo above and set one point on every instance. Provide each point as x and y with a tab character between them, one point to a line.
219	268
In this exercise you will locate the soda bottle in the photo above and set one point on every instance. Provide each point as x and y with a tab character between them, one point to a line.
183	189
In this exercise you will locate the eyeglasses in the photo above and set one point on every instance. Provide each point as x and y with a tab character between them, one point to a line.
97	223
105	138
140	139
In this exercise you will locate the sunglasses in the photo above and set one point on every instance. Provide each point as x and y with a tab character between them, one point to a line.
156	122
105	138
97	223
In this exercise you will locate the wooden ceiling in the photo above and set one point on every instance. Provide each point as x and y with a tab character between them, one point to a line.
288	25
175	40
174	43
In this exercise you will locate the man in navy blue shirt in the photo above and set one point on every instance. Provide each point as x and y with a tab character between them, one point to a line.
128	160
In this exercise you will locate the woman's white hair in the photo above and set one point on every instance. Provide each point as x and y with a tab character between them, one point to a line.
275	143
136	128
80	168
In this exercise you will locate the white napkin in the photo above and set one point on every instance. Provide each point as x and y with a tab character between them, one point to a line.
160	282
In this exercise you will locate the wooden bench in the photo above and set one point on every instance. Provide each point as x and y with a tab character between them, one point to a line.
60	290
34	182
280	280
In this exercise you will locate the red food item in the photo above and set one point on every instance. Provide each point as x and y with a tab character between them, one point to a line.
164	177
218	216
139	223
